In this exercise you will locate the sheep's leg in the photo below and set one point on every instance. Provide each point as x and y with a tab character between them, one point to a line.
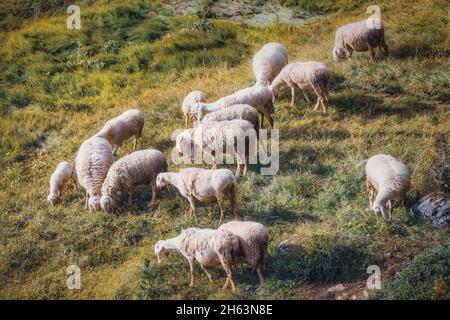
262	121
233	200
306	96
221	202
86	200
130	197
192	210
292	95
389	203
372	53
186	121
260	275
386	215
150	204
191	267
269	117
115	149
228	271
207	273
317	104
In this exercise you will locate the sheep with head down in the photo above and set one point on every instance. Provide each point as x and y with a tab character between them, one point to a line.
253	239
236	112
123	127
388	179
208	247
137	168
268	62
92	162
363	35
189	101
311	75
63	173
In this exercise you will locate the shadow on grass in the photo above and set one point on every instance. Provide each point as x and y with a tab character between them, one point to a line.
371	107
277	216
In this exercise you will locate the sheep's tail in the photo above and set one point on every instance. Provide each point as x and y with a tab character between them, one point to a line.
360	163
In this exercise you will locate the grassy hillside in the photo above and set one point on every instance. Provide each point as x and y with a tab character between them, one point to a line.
59	86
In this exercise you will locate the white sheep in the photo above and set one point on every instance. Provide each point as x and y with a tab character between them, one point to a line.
311	75
64	172
358	36
388	179
203	185
92	162
253	239
258	96
239	111
269	61
208	246
128	124
137	168
223	137
189	101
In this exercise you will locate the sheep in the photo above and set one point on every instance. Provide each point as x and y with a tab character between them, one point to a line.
269	61
239	111
64	172
203	185
219	137
137	168
259	96
92	162
388	179
253	240
188	102
208	246
306	75
358	36
128	124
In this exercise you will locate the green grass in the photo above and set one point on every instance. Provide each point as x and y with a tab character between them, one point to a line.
59	86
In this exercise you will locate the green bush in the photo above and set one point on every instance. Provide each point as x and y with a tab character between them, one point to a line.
427	276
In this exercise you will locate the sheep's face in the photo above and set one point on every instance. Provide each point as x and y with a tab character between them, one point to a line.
339	54
161	181
94	203
195	109
160	251
184	143
376	208
53	199
106	203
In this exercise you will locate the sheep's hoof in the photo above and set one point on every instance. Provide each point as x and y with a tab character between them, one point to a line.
150	204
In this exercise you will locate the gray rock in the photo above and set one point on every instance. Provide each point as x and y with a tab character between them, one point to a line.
434	208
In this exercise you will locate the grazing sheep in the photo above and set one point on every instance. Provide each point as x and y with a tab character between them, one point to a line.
358	37
269	61
239	111
306	75
209	247
388	179
137	168
93	160
253	239
63	173
258	96
123	127
189	101
220	137
203	185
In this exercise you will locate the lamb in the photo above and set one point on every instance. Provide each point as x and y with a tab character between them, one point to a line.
188	102
239	111
253	240
388	179
358	37
128	124
269	61
208	246
306	75
259	96
137	168
203	185
64	172
93	160
219	137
